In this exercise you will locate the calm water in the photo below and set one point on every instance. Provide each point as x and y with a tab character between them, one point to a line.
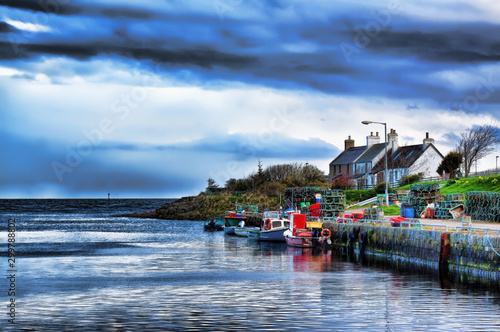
80	269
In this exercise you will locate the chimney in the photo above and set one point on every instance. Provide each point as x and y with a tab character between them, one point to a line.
393	141
348	143
427	141
370	140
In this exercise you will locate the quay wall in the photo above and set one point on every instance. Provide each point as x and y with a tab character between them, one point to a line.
464	252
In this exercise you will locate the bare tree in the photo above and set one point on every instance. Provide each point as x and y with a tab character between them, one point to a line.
476	143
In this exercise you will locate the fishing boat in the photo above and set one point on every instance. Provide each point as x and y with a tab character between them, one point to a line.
300	236
213	225
232	221
272	228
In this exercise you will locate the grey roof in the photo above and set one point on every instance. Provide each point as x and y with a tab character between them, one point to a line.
371	153
348	156
404	157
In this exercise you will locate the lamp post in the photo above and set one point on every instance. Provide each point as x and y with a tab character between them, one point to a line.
386	174
496	165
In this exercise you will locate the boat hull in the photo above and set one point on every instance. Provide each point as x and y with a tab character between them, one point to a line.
274	235
302	241
243	231
229	230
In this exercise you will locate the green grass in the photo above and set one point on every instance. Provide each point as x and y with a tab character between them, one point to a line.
487	183
359	207
391	210
407	187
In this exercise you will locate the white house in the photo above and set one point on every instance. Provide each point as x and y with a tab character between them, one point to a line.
365	165
421	159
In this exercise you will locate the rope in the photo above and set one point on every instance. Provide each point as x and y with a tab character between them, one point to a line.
491	245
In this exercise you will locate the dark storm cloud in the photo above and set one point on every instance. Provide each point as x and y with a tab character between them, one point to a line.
126	12
45	6
446	47
302	53
65	7
6	28
205	58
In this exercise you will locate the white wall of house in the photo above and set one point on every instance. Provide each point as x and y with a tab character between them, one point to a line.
427	163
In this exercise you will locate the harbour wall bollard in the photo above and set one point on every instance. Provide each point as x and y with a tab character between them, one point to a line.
464	252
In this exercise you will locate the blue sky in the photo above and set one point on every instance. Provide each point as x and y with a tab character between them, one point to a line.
151	98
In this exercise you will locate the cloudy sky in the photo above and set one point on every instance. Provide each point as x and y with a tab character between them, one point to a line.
151	98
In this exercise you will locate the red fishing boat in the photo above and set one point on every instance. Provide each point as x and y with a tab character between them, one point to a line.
301	237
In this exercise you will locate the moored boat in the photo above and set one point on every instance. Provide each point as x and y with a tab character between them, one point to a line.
301	237
213	225
232	221
272	228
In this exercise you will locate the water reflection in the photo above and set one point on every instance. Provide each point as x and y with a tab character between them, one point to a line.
310	259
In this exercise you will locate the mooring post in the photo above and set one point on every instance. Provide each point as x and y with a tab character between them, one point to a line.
444	248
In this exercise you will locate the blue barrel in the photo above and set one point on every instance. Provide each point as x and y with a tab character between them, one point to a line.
402	209
409	213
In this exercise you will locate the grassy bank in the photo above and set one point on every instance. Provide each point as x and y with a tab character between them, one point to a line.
487	183
456	186
203	207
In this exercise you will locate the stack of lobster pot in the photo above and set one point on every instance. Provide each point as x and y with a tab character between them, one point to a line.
421	195
450	201
332	202
483	205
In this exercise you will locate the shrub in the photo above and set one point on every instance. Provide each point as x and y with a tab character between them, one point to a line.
353	196
380	188
409	179
273	188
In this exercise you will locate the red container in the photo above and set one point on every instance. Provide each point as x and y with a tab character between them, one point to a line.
232	214
314	206
299	222
430	212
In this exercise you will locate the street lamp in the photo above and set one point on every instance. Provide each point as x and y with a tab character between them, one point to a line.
496	165
386	178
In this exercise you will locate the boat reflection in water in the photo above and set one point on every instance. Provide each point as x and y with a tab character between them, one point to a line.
310	259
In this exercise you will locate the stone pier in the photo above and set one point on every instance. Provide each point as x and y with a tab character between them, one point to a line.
464	252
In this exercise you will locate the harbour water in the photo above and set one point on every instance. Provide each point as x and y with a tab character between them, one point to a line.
78	268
